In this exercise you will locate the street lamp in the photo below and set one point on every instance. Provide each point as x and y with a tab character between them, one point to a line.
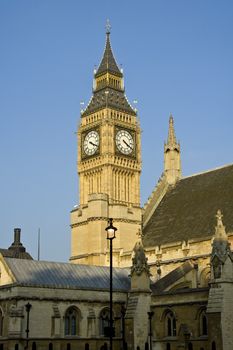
123	311
111	234
28	308
150	315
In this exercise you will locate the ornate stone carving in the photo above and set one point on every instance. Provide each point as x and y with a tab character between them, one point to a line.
221	247
139	260
16	311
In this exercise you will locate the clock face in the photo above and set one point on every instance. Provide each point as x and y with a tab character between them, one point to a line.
91	143
124	142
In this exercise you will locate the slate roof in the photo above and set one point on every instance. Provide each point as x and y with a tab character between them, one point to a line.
108	62
11	253
116	99
173	276
66	275
188	209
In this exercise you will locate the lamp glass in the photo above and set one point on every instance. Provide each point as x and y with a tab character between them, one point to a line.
111	233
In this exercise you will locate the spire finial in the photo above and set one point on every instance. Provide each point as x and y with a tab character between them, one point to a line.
171	132
140	235
108	27
220	232
219	218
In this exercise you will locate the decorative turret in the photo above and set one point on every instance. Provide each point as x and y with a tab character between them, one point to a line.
172	162
16	249
221	248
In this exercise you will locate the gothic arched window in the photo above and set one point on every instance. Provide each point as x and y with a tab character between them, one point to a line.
203	323
170	324
105	323
72	320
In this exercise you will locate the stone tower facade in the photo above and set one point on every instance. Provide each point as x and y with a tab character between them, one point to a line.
109	167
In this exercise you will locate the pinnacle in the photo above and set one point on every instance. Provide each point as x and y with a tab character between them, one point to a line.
220	232
171	140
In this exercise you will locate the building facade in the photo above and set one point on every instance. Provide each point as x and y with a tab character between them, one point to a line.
173	265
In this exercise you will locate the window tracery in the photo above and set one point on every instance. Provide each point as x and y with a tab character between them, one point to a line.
170	324
72	321
105	323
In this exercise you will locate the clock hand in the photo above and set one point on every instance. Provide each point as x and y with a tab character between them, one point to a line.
93	144
127	144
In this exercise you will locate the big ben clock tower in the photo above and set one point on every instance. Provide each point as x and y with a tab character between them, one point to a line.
109	167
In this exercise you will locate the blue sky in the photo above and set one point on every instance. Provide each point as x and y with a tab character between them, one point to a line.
177	57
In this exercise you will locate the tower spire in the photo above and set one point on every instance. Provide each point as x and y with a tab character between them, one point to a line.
172	162
108	63
108	83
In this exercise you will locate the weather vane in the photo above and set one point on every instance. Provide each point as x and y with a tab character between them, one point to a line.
108	27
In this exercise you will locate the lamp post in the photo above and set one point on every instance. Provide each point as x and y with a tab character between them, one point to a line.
111	234
123	311
28	308
150	315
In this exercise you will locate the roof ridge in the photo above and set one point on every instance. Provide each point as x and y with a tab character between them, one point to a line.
207	171
65	263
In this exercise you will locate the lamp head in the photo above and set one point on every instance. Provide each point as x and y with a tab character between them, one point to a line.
28	307
111	230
